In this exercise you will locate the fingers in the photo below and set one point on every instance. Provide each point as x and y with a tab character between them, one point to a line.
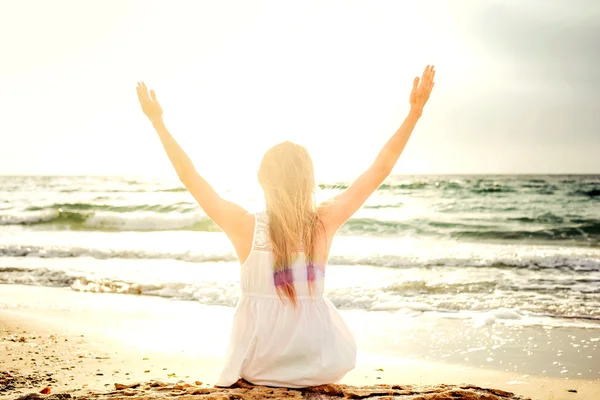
427	79
430	73
153	96
425	74
145	91
142	92
416	82
139	92
431	83
427	71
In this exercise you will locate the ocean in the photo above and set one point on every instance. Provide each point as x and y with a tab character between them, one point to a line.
516	247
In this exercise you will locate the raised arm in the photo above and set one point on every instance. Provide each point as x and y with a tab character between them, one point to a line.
230	217
339	209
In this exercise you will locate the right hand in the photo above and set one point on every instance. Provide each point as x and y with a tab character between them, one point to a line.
149	103
422	89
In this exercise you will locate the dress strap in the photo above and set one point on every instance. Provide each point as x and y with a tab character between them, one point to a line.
261	232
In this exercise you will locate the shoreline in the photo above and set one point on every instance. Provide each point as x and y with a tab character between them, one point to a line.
123	339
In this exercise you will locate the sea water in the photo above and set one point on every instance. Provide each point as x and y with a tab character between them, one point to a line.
519	248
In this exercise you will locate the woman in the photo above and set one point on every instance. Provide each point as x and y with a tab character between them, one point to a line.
285	333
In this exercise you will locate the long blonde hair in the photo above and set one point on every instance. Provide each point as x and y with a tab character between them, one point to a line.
286	175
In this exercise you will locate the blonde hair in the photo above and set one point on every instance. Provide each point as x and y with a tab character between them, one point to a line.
286	175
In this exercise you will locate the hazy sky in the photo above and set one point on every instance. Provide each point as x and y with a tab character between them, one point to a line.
517	88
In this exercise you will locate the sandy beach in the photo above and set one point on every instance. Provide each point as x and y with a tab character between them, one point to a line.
82	343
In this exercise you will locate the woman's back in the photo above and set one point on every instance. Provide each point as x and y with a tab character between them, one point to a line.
275	343
257	275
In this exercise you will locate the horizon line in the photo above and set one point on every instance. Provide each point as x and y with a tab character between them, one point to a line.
392	174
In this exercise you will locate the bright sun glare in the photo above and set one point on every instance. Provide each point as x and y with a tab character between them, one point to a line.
335	79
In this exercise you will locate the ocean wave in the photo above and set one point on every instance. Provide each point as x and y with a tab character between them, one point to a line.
478	187
334	186
581	230
185	216
539	187
103	254
173	190
500	260
423	287
380	206
436	184
85	219
405	186
35	276
182	207
125	189
588	231
591	193
493	189
416	297
367	225
42	217
546	218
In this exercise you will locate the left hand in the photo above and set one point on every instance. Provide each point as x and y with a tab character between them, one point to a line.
422	89
149	103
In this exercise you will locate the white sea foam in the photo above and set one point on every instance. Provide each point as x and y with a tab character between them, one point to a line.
217	284
458	256
28	218
143	221
492	316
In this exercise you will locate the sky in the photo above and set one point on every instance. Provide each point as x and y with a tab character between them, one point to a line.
516	86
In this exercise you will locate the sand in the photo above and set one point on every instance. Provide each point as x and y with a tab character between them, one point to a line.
84	353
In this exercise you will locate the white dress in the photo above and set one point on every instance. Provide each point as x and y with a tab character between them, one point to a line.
274	344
